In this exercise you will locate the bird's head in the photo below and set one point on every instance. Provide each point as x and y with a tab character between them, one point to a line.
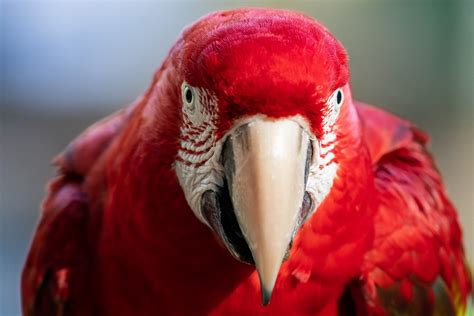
260	94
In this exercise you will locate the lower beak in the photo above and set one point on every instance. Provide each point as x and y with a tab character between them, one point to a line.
265	162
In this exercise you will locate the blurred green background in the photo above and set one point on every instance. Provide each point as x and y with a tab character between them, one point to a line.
65	64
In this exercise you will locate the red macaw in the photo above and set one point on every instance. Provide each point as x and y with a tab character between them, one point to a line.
248	139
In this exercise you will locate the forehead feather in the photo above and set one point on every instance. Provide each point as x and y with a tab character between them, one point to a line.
237	51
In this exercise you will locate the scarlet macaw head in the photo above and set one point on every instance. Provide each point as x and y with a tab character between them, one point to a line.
260	94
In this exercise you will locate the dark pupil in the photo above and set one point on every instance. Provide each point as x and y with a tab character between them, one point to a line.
189	96
339	97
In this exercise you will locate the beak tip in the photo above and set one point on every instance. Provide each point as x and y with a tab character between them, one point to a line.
266	296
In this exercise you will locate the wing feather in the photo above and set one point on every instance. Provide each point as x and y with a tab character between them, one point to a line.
57	278
417	265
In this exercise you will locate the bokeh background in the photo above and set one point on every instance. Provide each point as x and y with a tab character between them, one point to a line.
65	64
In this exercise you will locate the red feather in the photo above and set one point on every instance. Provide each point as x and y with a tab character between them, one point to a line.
117	236
417	235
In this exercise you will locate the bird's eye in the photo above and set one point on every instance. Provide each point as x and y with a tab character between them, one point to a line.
188	97
334	105
339	97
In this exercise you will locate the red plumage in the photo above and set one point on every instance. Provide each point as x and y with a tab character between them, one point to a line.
117	236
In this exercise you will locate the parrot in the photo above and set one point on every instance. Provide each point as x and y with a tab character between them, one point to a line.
246	180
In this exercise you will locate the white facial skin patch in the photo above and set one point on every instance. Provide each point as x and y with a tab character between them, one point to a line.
198	165
322	173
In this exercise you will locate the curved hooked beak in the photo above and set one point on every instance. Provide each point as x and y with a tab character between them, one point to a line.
266	165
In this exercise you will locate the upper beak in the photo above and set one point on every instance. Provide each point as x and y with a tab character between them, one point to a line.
266	168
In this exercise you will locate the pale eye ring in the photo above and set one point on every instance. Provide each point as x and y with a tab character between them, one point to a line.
189	97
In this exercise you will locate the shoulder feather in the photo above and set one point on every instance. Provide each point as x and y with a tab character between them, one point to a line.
417	255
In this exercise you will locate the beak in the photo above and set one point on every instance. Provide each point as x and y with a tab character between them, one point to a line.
266	164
